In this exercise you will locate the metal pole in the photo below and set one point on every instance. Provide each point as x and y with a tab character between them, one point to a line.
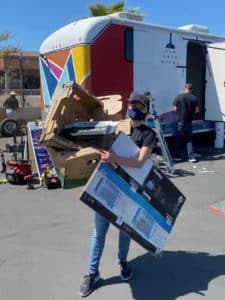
21	79
6	80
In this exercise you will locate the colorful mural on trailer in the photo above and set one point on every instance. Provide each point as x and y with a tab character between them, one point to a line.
61	67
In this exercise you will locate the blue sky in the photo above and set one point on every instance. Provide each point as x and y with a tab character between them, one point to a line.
30	22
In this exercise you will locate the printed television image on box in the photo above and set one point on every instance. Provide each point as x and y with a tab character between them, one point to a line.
157	189
117	200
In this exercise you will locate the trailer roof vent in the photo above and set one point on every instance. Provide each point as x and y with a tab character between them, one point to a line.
128	16
196	28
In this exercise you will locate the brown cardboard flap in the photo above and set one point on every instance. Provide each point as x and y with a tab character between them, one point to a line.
87	98
112	107
76	104
125	126
75	164
73	105
65	111
83	164
112	104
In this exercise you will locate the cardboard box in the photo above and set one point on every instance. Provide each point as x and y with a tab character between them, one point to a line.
77	105
118	201
72	160
148	181
74	167
145	206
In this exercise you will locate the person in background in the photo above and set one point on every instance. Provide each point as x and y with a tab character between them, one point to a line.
186	106
144	137
11	105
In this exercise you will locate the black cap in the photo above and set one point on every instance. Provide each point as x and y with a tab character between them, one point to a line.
139	97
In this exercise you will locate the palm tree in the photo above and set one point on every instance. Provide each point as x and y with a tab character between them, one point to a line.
100	9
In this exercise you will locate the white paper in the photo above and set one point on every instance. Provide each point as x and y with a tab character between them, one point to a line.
125	147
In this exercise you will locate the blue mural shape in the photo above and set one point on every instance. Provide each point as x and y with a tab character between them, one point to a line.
44	87
50	82
65	76
50	79
71	70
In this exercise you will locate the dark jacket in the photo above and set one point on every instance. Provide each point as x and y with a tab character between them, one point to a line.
11	102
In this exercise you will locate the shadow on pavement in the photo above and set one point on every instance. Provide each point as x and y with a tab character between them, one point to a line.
182	173
173	275
210	156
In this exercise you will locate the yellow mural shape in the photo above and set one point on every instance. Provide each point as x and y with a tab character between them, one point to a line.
82	62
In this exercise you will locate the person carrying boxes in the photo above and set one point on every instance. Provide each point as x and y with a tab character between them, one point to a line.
144	137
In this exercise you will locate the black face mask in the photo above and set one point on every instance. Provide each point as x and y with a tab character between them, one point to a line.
136	114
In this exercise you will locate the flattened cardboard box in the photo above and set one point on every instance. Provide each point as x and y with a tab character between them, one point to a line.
145	209
76	105
70	164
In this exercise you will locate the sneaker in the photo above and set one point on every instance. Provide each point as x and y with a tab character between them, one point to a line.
88	284
125	271
192	159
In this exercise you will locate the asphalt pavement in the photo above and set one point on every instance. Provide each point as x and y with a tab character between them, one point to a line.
45	239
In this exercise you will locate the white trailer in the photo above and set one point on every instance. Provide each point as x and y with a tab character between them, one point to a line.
119	53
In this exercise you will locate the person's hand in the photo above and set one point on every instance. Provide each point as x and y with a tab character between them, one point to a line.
107	156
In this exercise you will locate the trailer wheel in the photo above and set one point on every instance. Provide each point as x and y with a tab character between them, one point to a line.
8	127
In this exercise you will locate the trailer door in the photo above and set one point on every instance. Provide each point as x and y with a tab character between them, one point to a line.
215	82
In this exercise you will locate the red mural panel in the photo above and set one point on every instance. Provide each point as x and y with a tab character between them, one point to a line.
110	72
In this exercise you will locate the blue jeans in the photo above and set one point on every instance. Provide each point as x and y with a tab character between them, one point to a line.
98	242
11	113
184	129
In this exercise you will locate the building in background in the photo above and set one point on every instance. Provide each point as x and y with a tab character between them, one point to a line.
19	71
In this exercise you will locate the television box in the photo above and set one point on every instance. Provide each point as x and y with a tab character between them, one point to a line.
142	202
